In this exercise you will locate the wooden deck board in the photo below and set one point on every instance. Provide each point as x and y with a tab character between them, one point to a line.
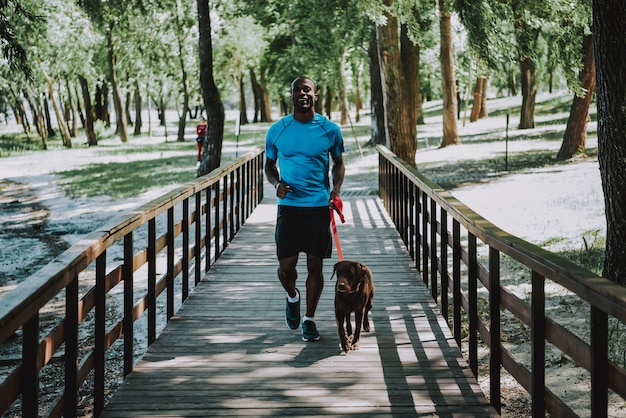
228	352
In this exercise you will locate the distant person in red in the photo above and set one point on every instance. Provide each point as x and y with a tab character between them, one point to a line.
200	134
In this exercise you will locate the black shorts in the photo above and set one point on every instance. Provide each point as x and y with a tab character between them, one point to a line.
303	230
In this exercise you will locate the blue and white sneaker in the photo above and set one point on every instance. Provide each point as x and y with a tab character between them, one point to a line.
309	331
292	313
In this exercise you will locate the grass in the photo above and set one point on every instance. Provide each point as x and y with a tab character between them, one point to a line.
121	180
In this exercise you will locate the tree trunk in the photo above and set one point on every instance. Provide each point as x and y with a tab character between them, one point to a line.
138	107
212	149
129	121
67	139
609	45
328	102
529	93
266	108
122	124
38	118
100	108
392	76
575	136
410	58
483	106
376	96
79	107
257	94
358	102
512	82
47	117
182	121
73	128
243	116
480	92
92	140
19	111
450	135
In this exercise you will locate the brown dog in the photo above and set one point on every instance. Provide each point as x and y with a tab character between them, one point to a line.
354	292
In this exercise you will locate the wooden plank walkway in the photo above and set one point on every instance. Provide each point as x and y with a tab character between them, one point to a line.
228	352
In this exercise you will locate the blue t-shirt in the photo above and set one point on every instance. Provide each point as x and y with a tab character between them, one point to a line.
303	153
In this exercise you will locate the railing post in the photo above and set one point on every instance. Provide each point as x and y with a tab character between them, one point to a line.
494	328
232	193
472	297
152	273
416	226
538	338
433	249
217	220
226	215
198	238
169	280
185	255
30	375
99	337
129	302
599	363
444	262
411	220
208	227
424	231
71	348
456	280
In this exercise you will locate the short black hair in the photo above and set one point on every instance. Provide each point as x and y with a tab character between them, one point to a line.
302	77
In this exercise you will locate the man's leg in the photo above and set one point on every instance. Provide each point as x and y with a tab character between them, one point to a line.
314	283
287	274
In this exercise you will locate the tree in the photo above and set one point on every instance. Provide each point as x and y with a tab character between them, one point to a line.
609	45
571	36
212	149
394	84
575	136
108	16
450	104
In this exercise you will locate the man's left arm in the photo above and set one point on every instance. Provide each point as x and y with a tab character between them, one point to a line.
338	173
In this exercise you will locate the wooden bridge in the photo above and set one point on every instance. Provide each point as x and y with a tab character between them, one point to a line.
208	249
228	352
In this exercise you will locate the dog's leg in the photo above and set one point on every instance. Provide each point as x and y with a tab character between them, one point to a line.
343	339
358	320
348	324
366	321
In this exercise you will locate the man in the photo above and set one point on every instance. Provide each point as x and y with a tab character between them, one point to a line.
303	143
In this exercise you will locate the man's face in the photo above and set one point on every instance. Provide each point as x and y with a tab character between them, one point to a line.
303	95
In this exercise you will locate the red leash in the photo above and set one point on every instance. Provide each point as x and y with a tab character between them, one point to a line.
339	208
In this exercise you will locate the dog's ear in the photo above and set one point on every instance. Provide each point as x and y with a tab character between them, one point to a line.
362	270
334	270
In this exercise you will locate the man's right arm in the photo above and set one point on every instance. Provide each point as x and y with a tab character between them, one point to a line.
271	172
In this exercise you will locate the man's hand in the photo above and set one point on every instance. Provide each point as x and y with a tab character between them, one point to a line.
282	189
335	203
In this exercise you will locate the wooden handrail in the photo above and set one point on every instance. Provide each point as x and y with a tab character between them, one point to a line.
429	220
221	201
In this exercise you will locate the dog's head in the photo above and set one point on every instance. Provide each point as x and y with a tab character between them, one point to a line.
350	276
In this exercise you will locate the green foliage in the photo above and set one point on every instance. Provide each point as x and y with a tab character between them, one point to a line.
14	16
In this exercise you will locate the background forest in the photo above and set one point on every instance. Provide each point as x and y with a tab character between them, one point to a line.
72	69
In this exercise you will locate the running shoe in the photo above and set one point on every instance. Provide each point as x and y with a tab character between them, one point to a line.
292	313
309	331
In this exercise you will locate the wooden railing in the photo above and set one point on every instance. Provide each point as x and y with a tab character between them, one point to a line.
459	255
63	316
